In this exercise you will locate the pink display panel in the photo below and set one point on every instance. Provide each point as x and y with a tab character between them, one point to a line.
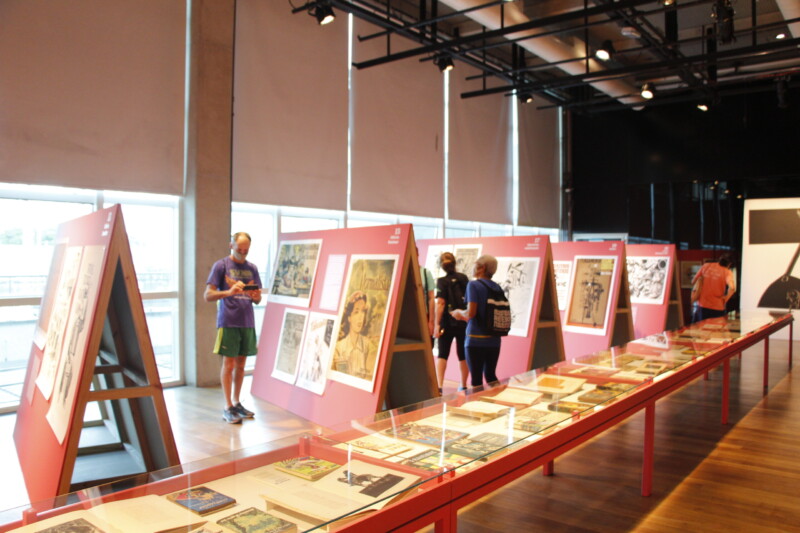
524	267
589	279
46	429
304	365
651	276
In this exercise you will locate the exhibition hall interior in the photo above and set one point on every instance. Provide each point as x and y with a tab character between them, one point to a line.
399	265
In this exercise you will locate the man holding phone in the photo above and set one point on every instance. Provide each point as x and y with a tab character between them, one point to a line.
235	285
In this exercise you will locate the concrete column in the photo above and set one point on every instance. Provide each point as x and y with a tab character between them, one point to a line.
207	203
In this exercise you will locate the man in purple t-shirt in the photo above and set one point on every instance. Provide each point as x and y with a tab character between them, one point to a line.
235	285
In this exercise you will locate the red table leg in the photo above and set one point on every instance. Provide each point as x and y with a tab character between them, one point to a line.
548	468
726	373
647	459
766	364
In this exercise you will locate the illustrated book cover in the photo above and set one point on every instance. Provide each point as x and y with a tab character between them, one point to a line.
308	467
254	520
201	500
433	460
569	407
430	435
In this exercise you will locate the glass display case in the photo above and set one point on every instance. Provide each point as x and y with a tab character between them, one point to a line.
417	459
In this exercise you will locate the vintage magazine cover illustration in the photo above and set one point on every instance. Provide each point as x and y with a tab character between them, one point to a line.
295	270
57	325
317	351
466	255
311	468
254	520
288	354
76	337
647	279
362	320
590	294
201	500
562	270
517	277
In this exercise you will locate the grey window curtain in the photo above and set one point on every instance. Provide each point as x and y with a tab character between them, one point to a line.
480	179
290	107
539	167
92	93
397	152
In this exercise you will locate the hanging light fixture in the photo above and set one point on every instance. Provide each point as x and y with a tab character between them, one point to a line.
525	98
605	51
648	91
444	62
323	12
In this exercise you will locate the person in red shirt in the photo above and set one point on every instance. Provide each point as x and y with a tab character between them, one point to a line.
717	287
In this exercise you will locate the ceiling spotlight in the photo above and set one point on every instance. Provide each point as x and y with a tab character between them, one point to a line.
605	52
780	36
323	12
444	62
647	91
525	98
668	3
702	107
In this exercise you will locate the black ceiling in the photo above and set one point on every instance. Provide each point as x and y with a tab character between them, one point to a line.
694	51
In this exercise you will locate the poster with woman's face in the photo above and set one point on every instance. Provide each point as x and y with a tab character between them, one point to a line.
362	320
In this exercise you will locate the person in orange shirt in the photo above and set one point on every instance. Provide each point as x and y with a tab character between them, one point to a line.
717	287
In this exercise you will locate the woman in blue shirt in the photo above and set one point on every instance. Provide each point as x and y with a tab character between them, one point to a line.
483	348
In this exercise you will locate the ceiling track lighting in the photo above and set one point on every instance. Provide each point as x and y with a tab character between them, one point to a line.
525	98
323	12
605	52
444	62
648	91
703	107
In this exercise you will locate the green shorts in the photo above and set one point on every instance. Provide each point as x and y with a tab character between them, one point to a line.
233	342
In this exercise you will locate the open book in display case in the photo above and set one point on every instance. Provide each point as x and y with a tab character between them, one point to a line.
410	467
91	348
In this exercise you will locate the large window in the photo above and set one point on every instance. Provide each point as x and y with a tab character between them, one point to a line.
29	220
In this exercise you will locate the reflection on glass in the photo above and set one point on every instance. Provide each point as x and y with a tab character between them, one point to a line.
28	229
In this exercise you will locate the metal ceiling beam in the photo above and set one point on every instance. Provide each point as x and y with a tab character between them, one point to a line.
502	32
752	54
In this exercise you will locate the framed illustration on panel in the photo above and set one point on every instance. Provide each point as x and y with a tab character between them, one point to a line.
288	355
517	277
76	338
562	270
432	259
590	294
688	270
57	324
647	279
362	320
295	270
466	255
315	357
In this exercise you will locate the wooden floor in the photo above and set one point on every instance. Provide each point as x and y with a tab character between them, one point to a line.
741	477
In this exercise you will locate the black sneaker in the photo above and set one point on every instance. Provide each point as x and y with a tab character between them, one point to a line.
230	416
240	410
